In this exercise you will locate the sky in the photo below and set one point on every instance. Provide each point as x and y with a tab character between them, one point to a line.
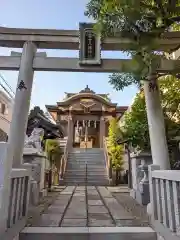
49	87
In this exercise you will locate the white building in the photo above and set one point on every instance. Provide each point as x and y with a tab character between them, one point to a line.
6	105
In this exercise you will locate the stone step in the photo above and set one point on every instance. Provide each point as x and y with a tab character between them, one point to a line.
81	162
87	233
88	169
86	159
83	174
83	178
95	173
90	166
86	163
86	154
83	183
103	170
82	170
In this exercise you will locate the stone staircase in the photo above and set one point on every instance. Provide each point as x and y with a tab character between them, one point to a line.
86	167
85	233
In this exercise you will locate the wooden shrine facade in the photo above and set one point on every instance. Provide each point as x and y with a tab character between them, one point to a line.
85	116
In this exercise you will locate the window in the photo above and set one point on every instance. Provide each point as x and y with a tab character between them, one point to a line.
3	108
6	110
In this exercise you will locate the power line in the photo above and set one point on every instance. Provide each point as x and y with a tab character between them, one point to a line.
8	85
10	88
6	90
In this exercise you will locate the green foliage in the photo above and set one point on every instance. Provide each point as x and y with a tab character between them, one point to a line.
135	121
115	151
116	156
53	150
169	87
136	124
114	132
140	20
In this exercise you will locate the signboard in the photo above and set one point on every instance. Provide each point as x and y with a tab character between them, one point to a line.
90	45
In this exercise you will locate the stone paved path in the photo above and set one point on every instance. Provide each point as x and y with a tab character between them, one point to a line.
86	206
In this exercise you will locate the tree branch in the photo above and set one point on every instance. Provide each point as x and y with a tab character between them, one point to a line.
160	6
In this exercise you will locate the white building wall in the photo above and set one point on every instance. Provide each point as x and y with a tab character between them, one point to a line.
6	105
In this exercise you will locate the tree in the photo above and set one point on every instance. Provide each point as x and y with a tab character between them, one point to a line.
169	88
115	151
142	21
136	124
135	121
114	132
54	153
53	150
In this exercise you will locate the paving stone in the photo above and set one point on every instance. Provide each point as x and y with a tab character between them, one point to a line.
92	192
74	222
104	192
93	197
77	207
78	194
100	223
97	209
78	199
55	209
63	197
60	202
99	216
80	189
116	210
69	189
95	202
120	189
49	220
91	187
66	193
131	223
131	205
76	213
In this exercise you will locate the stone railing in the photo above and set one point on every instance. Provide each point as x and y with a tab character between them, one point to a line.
107	159
64	159
18	203
165	201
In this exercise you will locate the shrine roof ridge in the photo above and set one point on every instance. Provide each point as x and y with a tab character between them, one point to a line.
87	95
54	108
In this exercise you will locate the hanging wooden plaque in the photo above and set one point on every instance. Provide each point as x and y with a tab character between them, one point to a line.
90	45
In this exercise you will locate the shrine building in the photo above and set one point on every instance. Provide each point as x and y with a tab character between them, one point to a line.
84	117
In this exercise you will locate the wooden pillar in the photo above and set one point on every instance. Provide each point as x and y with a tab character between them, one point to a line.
102	131
70	131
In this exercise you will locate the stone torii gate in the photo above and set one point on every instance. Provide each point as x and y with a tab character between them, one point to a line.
90	46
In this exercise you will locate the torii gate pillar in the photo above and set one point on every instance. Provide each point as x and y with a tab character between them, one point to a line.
159	149
21	105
